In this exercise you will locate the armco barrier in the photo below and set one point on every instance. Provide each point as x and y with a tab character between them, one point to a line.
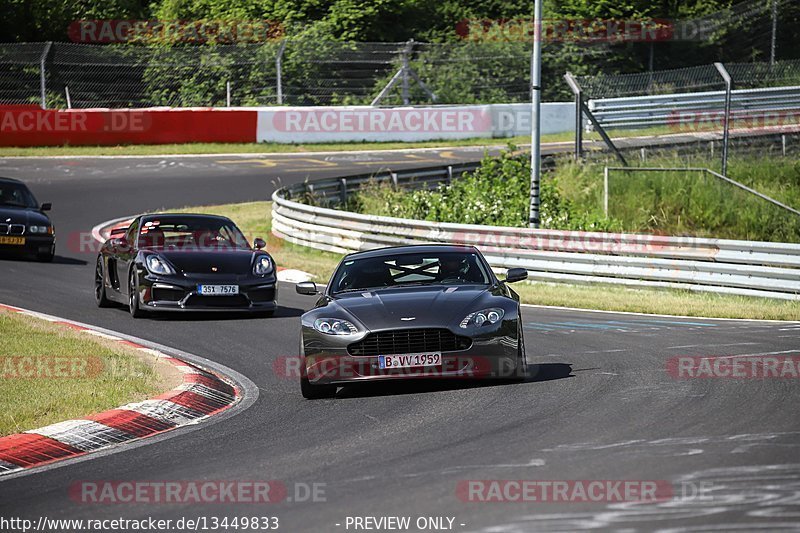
408	124
692	110
31	126
713	265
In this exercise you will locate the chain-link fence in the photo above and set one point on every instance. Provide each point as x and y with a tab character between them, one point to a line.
712	110
302	72
690	80
490	63
20	73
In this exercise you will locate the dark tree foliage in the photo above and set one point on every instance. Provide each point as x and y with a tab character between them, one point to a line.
739	39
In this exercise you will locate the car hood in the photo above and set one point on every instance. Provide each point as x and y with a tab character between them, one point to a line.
21	215
205	261
408	307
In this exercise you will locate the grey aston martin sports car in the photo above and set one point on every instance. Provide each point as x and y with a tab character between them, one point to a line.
410	312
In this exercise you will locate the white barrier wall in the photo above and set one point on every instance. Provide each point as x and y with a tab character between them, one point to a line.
403	124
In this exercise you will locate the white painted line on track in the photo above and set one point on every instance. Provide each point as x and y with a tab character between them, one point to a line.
710	345
750	354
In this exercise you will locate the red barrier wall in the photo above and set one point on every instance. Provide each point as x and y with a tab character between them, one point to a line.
30	126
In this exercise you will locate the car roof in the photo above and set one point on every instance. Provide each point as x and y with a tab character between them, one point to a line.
10	180
154	216
411	249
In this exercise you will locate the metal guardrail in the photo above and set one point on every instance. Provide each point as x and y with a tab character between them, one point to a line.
661	110
712	265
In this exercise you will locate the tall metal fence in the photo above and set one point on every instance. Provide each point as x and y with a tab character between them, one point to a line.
717	102
293	72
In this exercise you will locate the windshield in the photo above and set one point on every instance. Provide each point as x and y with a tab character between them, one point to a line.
16	195
191	233
445	268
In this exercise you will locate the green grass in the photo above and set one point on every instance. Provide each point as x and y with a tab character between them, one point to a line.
98	374
277	148
251	148
254	218
693	203
662	302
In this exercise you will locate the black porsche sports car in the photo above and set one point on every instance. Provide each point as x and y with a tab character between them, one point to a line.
426	311
24	227
177	262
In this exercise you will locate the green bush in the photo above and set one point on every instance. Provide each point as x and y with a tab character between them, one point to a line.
694	203
672	203
496	194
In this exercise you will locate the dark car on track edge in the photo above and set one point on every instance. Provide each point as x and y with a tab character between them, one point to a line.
182	262
25	229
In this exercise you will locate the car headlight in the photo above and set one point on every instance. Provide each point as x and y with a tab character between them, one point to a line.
158	265
38	229
263	265
492	315
334	326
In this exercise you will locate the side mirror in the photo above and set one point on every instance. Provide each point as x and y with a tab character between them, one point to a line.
118	232
120	244
308	288
259	243
516	274
46	206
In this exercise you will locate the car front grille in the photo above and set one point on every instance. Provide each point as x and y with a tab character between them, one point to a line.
232	301
405	341
12	229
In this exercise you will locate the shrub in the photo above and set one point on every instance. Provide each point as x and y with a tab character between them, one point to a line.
497	194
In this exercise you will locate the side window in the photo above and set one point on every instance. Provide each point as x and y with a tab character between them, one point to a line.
133	233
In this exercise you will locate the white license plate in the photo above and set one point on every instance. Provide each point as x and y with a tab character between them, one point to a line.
412	360
217	290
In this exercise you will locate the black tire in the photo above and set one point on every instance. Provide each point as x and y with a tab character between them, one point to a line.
316	392
521	370
311	391
99	286
133	299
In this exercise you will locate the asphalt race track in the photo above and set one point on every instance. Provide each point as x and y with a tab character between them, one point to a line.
599	403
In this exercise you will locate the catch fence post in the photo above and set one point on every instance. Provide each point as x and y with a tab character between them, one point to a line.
727	124
279	71
43	73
